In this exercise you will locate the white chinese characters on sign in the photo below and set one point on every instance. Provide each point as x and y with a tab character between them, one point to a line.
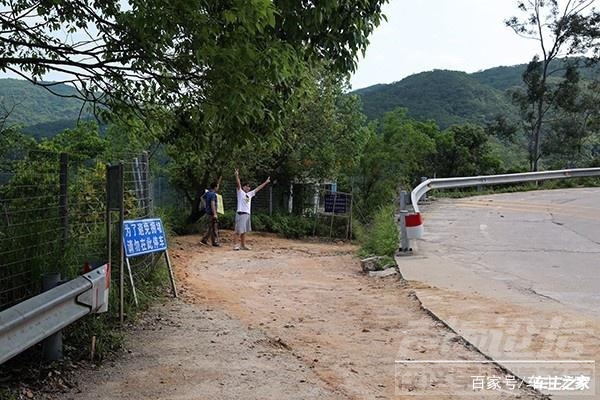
143	237
549	383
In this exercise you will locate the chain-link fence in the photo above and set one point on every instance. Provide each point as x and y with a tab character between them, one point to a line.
50	206
53	216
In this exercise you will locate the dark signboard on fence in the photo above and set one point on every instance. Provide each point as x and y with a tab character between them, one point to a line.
114	186
143	236
337	203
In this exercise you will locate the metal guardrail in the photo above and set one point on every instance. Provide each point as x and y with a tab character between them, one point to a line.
447	183
31	321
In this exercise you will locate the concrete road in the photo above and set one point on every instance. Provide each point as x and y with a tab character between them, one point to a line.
541	243
518	277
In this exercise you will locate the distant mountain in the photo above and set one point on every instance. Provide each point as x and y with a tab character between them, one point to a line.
447	97
450	97
39	112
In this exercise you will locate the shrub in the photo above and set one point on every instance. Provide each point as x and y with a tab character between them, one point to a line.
288	225
292	226
380	238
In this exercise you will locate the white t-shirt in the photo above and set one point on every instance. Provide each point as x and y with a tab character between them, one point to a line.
244	200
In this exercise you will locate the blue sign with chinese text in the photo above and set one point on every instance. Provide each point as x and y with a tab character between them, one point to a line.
336	203
143	236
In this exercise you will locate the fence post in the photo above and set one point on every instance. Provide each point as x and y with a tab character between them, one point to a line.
63	200
137	182
145	184
52	346
404	241
114	202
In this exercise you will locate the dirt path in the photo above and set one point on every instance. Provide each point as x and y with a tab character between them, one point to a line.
286	320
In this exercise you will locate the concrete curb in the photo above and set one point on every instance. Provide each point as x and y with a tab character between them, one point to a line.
467	343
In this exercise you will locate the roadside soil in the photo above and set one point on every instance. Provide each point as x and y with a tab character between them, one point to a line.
286	320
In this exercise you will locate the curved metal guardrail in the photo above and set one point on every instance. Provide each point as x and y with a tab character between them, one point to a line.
31	321
447	183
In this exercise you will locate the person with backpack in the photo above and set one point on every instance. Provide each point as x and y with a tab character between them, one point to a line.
211	205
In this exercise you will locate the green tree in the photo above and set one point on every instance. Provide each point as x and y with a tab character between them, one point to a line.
13	144
396	154
182	52
82	143
569	31
322	137
576	129
226	71
464	150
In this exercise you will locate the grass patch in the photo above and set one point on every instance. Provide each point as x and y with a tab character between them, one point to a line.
380	237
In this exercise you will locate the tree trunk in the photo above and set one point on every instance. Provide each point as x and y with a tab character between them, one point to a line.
196	211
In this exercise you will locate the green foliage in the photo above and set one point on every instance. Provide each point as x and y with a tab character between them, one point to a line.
78	336
292	226
509	77
574	138
227	220
404	150
13	145
82	143
464	151
287	225
395	157
324	136
175	217
151	286
129	135
8	394
486	98
228	71
570	29
446	97
380	236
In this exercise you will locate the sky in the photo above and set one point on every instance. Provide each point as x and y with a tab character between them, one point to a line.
423	35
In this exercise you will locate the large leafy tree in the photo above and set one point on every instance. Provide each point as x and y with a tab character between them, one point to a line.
321	138
226	71
575	131
569	28
175	51
396	154
464	150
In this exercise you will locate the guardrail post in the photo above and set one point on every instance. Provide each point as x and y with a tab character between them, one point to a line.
52	346
404	241
35	319
423	179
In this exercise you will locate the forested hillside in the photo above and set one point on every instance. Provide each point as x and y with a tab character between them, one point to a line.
451	97
38	111
446	97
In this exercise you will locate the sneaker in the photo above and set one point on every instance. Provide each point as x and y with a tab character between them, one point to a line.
245	248
236	247
216	245
204	242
